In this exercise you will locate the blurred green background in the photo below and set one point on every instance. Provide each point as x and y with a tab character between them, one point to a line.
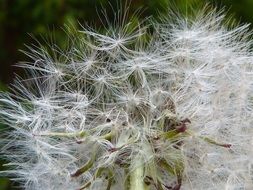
19	19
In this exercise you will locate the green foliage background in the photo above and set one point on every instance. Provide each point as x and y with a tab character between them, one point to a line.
19	18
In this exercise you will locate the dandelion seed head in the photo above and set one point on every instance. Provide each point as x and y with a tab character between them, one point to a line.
172	111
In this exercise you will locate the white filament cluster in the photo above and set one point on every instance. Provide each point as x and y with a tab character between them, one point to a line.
103	100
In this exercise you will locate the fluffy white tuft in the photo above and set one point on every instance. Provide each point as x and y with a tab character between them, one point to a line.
171	109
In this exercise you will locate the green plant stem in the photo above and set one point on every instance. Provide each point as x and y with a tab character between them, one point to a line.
59	134
137	177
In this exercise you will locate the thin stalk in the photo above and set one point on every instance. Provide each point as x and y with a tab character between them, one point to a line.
137	177
209	140
59	134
